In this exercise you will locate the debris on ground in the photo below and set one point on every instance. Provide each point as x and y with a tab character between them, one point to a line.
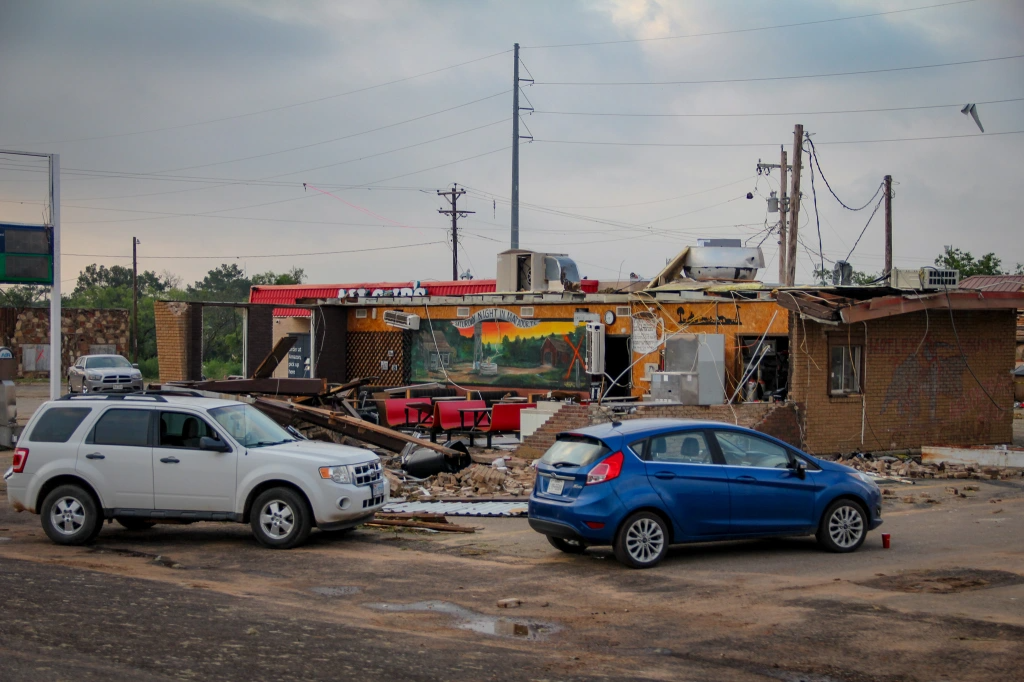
478	480
436	522
512	603
895	469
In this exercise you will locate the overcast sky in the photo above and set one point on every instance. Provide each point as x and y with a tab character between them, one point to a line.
165	112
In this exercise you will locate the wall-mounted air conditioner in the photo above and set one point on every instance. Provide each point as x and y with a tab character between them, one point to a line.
401	320
925	278
594	355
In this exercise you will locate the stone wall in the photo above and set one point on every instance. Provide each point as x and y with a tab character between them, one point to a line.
917	388
82	329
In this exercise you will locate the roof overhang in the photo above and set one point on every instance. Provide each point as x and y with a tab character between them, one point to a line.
829	307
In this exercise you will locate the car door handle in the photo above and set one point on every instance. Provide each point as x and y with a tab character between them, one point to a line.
745	478
94	455
169	460
665	475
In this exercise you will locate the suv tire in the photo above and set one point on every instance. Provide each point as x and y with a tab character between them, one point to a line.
280	518
70	515
130	523
642	541
843	527
567	546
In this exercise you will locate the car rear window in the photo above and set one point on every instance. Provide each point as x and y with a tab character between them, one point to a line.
57	424
574	451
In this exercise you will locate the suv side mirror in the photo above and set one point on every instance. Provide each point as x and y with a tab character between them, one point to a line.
801	469
135	365
214	445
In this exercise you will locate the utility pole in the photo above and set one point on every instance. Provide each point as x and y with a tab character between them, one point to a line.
888	227
783	244
135	300
794	204
455	213
515	148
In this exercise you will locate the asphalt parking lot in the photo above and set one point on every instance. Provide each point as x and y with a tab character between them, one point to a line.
203	601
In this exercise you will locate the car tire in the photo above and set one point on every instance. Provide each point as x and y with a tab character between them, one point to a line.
843	527
642	540
134	524
71	516
281	518
567	546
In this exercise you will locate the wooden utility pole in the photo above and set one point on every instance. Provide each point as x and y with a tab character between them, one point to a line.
888	227
783	244
455	213
794	204
135	301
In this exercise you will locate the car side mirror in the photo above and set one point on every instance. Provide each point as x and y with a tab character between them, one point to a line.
135	365
212	444
801	469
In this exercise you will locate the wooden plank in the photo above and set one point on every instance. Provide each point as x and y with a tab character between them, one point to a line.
278	353
449	527
271	386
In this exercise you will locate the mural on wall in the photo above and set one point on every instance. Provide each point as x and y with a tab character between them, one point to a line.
687	316
497	347
937	369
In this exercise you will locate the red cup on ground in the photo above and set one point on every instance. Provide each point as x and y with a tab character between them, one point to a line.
885	541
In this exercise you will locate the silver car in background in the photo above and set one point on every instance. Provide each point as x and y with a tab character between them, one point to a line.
104	374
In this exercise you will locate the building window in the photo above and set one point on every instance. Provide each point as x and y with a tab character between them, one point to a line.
845	369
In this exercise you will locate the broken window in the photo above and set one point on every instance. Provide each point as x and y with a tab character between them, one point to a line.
845	369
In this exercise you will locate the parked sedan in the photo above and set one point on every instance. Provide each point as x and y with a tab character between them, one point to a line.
644	484
104	374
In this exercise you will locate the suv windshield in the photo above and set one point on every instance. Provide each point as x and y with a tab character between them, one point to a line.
106	361
575	451
249	426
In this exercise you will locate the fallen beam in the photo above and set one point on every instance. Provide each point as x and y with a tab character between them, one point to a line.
450	527
277	354
285	413
271	386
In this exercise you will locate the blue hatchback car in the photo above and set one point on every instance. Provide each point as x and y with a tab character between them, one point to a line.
644	484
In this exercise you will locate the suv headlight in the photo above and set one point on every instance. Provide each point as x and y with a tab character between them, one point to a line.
93	376
864	477
338	474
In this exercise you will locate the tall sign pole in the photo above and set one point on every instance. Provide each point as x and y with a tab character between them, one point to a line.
515	148
56	352
135	300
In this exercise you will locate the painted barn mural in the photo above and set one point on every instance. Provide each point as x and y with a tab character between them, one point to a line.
496	347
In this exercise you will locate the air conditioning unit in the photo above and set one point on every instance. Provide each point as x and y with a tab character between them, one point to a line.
594	356
925	278
401	320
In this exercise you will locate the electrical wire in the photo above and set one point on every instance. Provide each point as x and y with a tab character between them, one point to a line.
817	216
747	30
763	79
817	162
263	255
852	248
772	144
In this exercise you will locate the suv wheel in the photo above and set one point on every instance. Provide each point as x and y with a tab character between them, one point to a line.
134	524
843	527
70	516
567	546
642	541
280	518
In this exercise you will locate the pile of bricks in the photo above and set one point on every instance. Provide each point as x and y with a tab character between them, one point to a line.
911	469
515	479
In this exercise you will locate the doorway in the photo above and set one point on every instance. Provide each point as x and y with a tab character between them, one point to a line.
616	363
770	378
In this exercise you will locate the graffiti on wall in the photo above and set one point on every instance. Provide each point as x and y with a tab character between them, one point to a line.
935	370
497	347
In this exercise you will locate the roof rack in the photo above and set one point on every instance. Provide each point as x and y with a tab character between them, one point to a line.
183	392
113	396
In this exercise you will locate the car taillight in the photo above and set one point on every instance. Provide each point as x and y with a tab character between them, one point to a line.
609	468
20	457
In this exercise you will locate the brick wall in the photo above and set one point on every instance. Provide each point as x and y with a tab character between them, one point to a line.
917	387
259	337
81	328
173	331
569	417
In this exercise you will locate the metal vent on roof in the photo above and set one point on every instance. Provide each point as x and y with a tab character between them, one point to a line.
622	311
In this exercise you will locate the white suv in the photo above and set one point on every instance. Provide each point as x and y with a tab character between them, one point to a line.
145	458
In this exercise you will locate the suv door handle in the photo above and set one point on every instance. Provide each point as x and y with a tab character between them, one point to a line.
665	475
94	455
169	460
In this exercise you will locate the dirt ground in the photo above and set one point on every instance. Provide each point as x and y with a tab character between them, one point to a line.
946	602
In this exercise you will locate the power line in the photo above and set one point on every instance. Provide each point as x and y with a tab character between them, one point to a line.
852	248
762	113
770	144
263	255
785	78
748	30
272	109
814	158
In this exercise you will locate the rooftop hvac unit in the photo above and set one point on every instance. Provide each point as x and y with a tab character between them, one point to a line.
594	355
925	278
401	320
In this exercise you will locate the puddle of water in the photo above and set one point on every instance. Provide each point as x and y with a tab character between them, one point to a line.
944	581
339	591
466	619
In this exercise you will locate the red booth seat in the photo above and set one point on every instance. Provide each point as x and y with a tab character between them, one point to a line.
505	418
397	413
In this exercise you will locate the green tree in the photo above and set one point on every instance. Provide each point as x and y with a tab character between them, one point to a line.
954	259
293	276
824	277
26	296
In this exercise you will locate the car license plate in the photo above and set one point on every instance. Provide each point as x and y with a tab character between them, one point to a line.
377	488
555	486
118	388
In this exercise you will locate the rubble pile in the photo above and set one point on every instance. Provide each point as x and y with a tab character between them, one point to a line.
894	467
511	478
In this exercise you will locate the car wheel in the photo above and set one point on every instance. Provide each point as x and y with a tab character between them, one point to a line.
280	518
642	540
70	516
134	524
843	527
567	546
